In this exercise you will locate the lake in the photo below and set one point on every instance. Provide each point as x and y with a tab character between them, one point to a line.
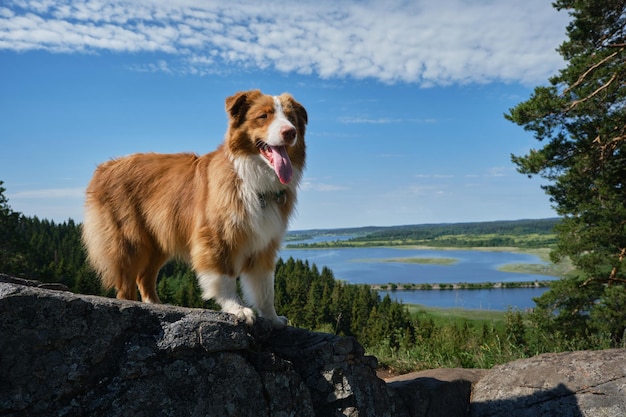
493	299
365	266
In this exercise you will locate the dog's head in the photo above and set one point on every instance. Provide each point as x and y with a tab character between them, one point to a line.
270	127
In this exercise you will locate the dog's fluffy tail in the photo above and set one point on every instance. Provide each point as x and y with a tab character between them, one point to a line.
100	244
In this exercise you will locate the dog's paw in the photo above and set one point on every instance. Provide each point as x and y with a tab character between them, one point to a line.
244	314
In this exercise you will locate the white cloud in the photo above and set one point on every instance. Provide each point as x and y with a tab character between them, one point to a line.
500	171
423	42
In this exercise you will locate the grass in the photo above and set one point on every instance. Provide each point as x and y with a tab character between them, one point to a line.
560	269
456	315
450	338
412	260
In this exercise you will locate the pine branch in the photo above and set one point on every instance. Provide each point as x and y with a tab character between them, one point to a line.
593	67
598	90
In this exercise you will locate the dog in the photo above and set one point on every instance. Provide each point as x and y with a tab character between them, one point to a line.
225	212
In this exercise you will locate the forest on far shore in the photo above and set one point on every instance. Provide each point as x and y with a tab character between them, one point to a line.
527	233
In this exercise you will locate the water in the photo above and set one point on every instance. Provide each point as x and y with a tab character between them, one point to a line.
363	266
492	299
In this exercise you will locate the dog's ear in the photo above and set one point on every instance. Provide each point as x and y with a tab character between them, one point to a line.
238	104
300	111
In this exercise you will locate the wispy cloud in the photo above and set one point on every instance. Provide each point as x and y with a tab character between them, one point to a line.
315	186
422	190
434	176
423	42
381	120
499	171
367	120
50	193
492	172
159	66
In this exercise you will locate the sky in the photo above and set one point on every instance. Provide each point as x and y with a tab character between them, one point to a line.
406	99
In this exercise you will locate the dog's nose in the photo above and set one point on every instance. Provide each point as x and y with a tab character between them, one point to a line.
288	133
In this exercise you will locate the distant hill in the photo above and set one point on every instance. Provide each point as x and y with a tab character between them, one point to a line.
497	226
525	232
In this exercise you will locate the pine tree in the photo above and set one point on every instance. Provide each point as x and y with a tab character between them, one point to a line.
12	242
580	118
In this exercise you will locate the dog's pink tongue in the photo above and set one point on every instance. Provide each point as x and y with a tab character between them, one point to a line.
282	163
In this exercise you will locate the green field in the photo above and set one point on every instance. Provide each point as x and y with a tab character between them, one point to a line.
451	338
457	315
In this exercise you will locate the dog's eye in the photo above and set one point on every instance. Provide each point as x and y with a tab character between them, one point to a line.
262	116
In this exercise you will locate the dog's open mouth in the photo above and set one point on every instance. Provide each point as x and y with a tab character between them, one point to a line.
279	159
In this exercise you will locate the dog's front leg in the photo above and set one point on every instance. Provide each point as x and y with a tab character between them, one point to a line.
223	289
258	291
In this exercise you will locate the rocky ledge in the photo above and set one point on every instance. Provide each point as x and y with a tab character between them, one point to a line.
63	354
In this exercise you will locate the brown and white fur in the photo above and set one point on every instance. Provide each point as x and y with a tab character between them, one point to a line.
225	212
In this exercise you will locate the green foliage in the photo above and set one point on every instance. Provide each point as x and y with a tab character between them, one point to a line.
43	250
580	118
177	284
12	243
406	339
444	340
609	317
315	300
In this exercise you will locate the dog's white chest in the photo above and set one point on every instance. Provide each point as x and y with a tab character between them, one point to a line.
263	196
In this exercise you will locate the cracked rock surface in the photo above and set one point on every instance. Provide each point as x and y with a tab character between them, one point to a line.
63	354
584	383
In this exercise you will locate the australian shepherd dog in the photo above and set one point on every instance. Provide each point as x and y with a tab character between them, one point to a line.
225	212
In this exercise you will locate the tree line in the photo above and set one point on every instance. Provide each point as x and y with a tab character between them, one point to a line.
434	231
519	233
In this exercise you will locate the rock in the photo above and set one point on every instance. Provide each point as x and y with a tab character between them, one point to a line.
32	283
572	384
342	381
584	383
64	354
437	392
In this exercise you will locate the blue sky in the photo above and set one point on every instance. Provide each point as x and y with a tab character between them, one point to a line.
405	98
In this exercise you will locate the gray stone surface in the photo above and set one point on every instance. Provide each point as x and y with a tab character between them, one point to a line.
437	392
572	384
63	354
